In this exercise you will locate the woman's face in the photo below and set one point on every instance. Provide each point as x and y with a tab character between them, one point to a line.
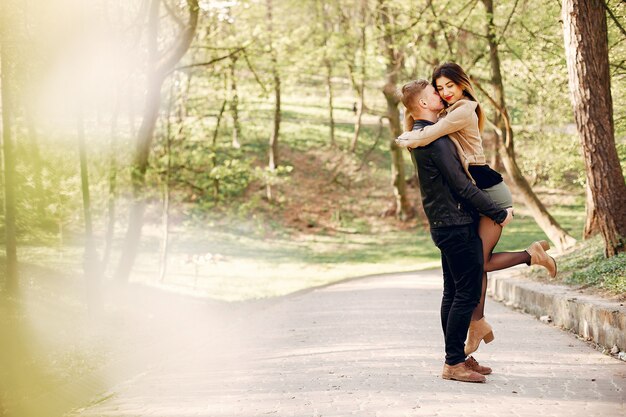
450	91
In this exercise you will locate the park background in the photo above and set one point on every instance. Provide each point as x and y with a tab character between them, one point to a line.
236	150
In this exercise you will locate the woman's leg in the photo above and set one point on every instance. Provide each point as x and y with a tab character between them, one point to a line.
490	232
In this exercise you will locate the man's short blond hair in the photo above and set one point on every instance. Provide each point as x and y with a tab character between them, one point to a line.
410	93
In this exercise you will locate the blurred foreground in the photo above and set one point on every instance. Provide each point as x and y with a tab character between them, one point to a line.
365	347
57	355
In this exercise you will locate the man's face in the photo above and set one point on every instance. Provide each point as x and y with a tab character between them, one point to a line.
432	99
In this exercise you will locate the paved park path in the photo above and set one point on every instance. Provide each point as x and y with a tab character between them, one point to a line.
366	347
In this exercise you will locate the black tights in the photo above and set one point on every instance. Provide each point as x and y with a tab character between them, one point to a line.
490	231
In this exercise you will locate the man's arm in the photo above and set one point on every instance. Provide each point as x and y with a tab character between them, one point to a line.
446	160
458	118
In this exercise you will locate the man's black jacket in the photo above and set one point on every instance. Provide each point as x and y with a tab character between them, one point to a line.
448	195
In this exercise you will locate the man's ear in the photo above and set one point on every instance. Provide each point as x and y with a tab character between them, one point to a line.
423	103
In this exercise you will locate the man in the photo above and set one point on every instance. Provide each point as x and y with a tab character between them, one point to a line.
450	201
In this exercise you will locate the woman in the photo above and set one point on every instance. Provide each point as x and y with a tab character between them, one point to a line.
463	121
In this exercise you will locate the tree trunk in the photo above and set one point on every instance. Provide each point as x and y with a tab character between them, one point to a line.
7	70
592	225
91	265
139	167
84	179
216	182
419	206
586	49
327	30
548	224
360	88
36	166
494	144
273	142
110	231
234	103
403	208
159	67
166	189
331	105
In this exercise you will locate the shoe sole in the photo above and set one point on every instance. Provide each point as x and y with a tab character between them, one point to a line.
546	245
449	378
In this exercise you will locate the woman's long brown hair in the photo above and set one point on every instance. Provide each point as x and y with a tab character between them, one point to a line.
455	73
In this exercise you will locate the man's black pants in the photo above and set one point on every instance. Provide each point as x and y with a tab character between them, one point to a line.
462	264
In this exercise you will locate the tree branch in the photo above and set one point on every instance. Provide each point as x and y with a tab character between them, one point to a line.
443	29
501	111
473	3
507	22
251	68
173	15
210	62
170	58
522	61
621	28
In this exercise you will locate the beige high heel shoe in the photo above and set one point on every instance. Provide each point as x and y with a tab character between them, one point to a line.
538	256
478	330
544	244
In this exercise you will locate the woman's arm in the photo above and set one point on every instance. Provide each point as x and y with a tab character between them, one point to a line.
459	117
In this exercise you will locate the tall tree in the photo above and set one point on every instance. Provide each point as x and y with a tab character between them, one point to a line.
586	50
36	164
394	62
328	65
273	142
592	225
91	264
160	66
502	124
112	192
7	72
163	252
234	102
359	86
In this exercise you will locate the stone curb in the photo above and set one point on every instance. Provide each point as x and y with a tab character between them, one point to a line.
592	317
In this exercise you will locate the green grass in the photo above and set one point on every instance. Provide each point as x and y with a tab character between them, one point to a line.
265	260
252	266
587	266
259	257
523	230
262	257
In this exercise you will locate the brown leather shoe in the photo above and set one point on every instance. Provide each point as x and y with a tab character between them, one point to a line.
478	330
538	256
476	367
461	372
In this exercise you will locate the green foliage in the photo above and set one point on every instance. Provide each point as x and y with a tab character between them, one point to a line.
346	220
617	52
552	159
48	195
209	175
273	176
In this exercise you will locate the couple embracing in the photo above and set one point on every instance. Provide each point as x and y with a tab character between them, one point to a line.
467	205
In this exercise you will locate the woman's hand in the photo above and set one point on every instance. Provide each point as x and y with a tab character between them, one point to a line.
403	140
